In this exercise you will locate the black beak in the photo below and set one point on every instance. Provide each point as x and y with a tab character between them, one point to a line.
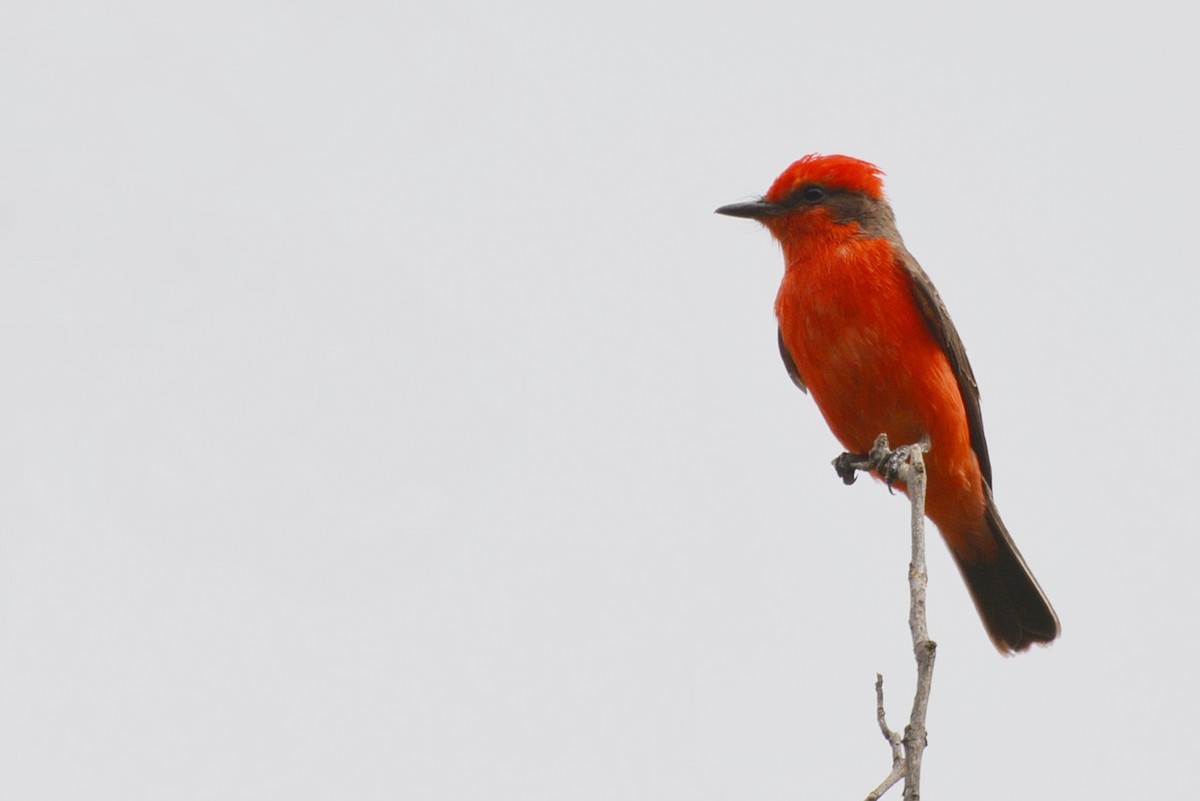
755	210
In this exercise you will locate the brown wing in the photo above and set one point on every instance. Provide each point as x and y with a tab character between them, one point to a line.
938	320
790	364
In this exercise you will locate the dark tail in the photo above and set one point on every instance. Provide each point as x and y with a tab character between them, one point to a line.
1013	607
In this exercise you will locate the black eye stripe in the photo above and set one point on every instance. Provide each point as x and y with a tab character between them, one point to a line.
809	193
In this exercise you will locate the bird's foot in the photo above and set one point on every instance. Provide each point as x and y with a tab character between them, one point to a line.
848	464
891	464
888	463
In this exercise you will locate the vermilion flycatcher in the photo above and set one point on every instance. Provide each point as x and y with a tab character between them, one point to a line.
863	330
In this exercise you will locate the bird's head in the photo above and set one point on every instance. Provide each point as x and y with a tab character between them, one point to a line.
822	192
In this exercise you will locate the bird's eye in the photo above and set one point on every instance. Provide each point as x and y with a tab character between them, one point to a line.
812	194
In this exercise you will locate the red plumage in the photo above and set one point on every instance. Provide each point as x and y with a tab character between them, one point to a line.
863	329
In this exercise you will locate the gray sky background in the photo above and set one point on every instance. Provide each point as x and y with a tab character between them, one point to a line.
387	415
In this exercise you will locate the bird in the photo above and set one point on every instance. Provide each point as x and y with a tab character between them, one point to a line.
863	331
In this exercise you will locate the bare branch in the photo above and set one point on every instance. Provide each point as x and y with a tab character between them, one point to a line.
892	737
907	465
894	740
924	649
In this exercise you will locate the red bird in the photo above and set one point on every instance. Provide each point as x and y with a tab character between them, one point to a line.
863	330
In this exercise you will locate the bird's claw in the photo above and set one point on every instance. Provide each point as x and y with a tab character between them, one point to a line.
890	466
846	466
